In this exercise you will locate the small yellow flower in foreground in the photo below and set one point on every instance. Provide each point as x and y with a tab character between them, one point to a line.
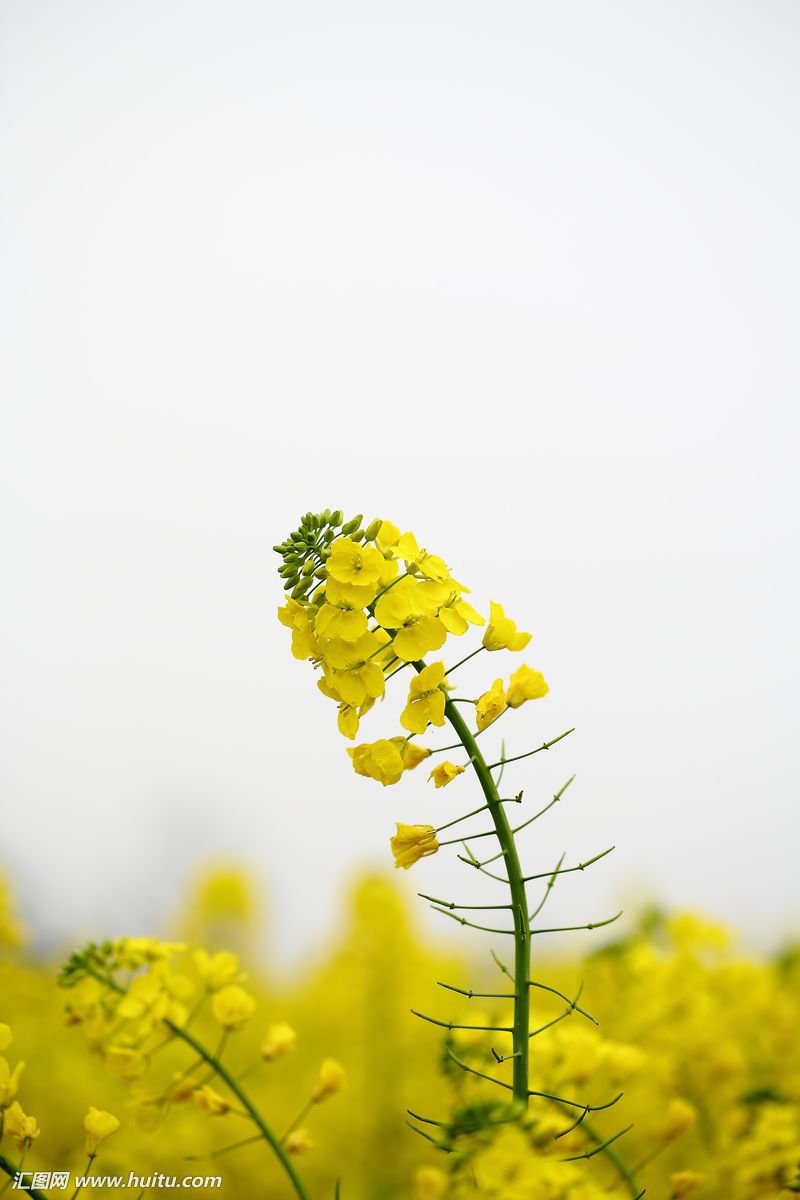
9	1082
684	1182
211	1101
680	1117
216	970
5	1036
298	1142
490	704
445	773
525	684
411	843
99	1125
379	760
501	632
280	1039
332	1079
426	700
21	1129
233	1006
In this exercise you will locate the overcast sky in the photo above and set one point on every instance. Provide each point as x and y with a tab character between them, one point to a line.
522	277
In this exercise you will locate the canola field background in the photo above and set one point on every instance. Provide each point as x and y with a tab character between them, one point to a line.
702	1041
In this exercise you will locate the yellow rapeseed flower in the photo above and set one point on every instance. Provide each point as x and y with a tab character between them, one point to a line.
411	843
211	1101
5	1036
298	1142
9	1082
351	669
280	1039
684	1182
348	562
426	700
410	612
216	970
99	1125
232	1006
332	1079
445	773
525	684
21	1129
501	632
680	1117
490	704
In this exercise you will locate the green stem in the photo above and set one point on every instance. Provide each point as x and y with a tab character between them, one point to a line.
519	903
246	1104
11	1170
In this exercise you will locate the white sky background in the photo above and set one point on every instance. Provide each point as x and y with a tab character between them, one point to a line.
522	277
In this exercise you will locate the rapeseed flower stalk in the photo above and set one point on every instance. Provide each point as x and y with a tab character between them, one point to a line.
132	1002
365	603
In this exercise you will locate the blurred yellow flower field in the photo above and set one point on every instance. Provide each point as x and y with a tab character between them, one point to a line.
702	1042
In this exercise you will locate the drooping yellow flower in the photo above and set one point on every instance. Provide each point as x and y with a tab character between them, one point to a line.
411	754
211	1101
490	704
21	1129
408	611
351	669
216	970
445	773
411	843
332	1079
232	1006
501	632
279	1040
525	684
349	562
298	1142
99	1125
379	760
9	1082
426	700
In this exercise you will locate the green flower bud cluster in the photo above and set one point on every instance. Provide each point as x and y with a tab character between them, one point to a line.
305	550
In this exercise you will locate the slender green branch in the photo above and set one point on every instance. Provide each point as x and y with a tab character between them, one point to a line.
544	746
574	928
11	1170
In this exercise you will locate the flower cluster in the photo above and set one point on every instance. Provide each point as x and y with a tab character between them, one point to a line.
367	602
131	1001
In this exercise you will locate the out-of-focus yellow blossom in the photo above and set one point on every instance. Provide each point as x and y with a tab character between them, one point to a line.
409	611
279	1040
216	970
99	1125
134	952
124	1062
684	1182
444	773
298	1142
154	997
490	704
680	1117
232	1006
211	1101
501	632
22	1130
426	700
525	684
331	1080
411	843
9	1082
5	1036
348	562
11	934
430	1184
